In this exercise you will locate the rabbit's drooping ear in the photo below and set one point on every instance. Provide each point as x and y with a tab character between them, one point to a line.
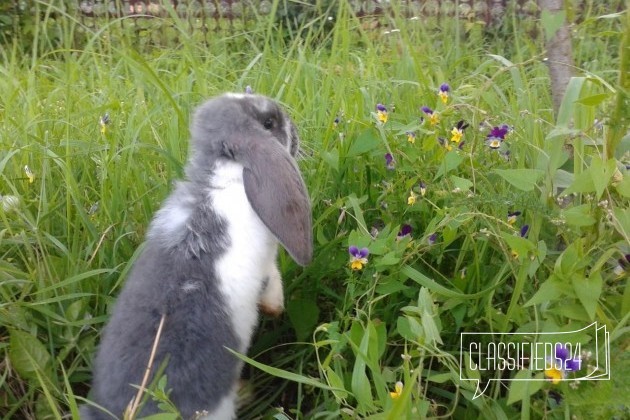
277	193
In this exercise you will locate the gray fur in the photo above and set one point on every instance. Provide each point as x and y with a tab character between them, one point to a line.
200	371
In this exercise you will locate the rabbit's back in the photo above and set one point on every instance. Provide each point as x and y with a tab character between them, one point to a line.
197	328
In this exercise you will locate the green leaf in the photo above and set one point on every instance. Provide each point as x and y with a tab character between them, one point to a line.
523	179
27	354
582	183
522	246
331	158
360	382
303	314
404	329
622	220
363	143
623	187
284	374
451	161
461	183
336	382
521	386
432	285
548	291
388	259
594	100
431	331
161	416
571	95
552	22
601	173
579	216
355	203
588	291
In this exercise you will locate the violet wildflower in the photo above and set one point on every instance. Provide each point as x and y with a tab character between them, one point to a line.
423	188
411	137
432	238
443	92
495	137
248	90
358	257
405	230
524	231
557	368
104	122
512	215
499	132
434	118
458	131
623	265
381	113
411	200
389	162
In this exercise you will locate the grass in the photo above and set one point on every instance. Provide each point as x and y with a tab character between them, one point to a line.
68	237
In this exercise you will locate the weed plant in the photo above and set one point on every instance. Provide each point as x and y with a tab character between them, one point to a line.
479	213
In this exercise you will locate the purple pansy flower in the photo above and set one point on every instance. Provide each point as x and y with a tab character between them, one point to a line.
563	357
404	231
512	215
432	238
358	257
499	132
381	113
561	363
623	264
443	92
423	188
524	231
389	162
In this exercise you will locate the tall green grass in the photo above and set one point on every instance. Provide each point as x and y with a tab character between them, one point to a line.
68	237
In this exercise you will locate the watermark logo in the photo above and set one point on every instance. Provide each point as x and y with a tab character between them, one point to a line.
582	354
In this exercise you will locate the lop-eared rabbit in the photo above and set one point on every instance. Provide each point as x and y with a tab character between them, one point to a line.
209	263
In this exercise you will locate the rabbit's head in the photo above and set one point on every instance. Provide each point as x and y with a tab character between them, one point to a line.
254	131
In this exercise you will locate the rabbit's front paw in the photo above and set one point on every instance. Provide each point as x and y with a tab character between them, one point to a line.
272	299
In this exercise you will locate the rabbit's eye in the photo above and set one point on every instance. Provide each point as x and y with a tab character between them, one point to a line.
268	124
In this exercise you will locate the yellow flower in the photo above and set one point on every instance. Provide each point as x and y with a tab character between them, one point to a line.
381	113
29	174
456	135
443	92
411	200
398	389
443	97
555	375
411	137
104	121
434	118
358	257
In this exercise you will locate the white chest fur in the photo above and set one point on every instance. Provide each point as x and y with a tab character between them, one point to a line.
251	252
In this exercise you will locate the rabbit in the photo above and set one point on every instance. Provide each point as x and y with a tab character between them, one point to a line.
209	263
